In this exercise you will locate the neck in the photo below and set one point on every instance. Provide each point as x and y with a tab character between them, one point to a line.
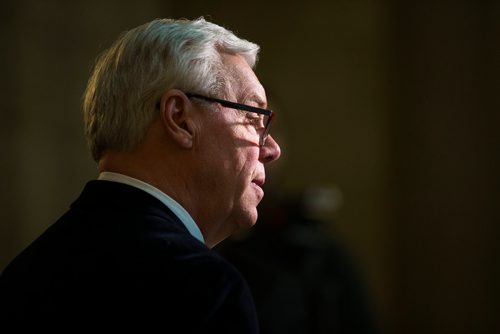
163	174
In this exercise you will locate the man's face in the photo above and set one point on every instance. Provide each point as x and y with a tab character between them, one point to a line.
232	165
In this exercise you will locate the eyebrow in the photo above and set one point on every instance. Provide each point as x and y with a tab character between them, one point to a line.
254	97
234	105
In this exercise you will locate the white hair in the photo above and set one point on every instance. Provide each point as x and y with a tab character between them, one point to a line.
130	77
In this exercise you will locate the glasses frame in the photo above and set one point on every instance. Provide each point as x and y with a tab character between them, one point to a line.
244	107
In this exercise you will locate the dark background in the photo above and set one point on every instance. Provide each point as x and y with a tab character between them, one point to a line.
394	103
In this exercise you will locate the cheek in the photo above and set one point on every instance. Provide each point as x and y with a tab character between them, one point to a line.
247	162
246	173
237	172
230	160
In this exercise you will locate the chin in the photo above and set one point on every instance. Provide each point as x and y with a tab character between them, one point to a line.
243	218
243	227
249	218
248	213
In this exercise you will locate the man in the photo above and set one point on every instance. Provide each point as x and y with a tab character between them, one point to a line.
175	118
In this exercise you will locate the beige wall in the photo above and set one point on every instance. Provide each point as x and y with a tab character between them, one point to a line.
394	105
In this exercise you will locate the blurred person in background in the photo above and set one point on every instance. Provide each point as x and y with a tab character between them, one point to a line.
302	275
177	122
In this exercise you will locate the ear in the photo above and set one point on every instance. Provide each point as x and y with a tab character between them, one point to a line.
177	117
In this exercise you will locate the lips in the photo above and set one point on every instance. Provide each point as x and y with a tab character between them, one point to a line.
259	181
257	185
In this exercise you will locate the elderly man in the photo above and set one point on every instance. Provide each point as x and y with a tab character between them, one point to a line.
175	118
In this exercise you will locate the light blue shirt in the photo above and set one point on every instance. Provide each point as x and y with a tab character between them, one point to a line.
176	208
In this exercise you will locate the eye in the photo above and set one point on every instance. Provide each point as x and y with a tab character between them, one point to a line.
255	119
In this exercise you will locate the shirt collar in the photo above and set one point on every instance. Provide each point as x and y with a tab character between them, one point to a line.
176	208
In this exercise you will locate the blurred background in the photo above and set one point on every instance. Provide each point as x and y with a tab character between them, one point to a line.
391	107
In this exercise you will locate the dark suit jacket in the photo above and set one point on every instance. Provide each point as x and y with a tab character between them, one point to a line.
120	259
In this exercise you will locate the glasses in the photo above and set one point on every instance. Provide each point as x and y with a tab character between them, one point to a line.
268	114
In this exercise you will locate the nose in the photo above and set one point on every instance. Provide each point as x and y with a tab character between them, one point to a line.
270	151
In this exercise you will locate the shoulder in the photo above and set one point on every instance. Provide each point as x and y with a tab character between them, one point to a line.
127	257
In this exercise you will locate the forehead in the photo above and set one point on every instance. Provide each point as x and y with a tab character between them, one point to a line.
243	82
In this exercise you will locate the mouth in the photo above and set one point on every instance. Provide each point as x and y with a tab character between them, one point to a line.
258	183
